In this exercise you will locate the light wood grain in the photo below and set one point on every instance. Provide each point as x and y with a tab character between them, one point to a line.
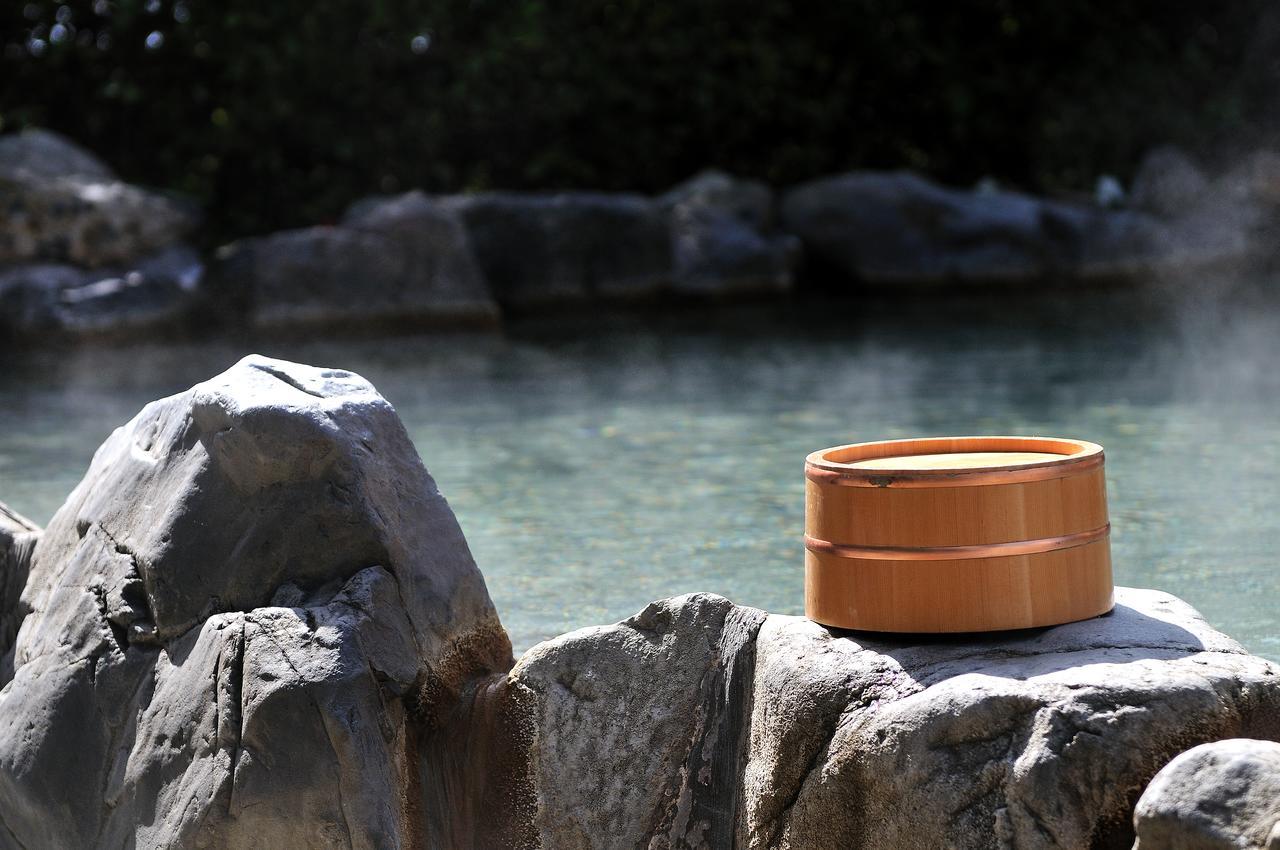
955	460
894	573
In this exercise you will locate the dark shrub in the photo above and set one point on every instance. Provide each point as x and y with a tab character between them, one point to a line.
278	113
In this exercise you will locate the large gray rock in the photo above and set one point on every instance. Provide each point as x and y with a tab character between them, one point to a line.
402	262
701	724
723	240
896	229
1219	796
538	249
158	293
241	624
62	206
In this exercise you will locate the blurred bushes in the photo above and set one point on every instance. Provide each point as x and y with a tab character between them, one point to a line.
279	113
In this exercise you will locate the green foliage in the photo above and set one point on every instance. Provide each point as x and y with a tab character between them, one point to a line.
278	114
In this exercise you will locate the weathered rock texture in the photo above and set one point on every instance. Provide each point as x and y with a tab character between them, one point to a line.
63	206
239	627
82	253
701	724
1219	796
406	261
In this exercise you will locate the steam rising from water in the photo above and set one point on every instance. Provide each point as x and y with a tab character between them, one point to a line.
595	468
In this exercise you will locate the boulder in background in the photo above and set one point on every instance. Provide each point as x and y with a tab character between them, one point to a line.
402	261
724	240
158	293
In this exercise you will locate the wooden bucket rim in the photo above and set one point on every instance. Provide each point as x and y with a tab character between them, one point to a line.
833	465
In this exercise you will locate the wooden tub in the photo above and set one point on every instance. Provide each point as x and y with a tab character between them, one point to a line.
956	534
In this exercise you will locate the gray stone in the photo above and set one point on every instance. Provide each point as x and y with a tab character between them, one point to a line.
1168	183
896	228
711	236
241	624
723	241
48	156
159	292
899	230
31	294
539	249
86	223
701	724
1219	796
402	262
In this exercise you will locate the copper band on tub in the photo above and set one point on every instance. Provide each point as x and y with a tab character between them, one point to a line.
855	477
956	553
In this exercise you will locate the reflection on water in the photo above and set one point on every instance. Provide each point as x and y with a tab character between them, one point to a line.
596	467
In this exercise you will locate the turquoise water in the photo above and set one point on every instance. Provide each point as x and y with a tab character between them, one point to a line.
598	464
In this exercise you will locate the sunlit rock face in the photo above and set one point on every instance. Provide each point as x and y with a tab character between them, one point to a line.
698	723
242	622
1219	796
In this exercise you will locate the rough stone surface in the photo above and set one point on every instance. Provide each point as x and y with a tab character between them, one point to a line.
896	229
158	292
538	249
723	238
402	261
1219	796
241	624
62	206
701	724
